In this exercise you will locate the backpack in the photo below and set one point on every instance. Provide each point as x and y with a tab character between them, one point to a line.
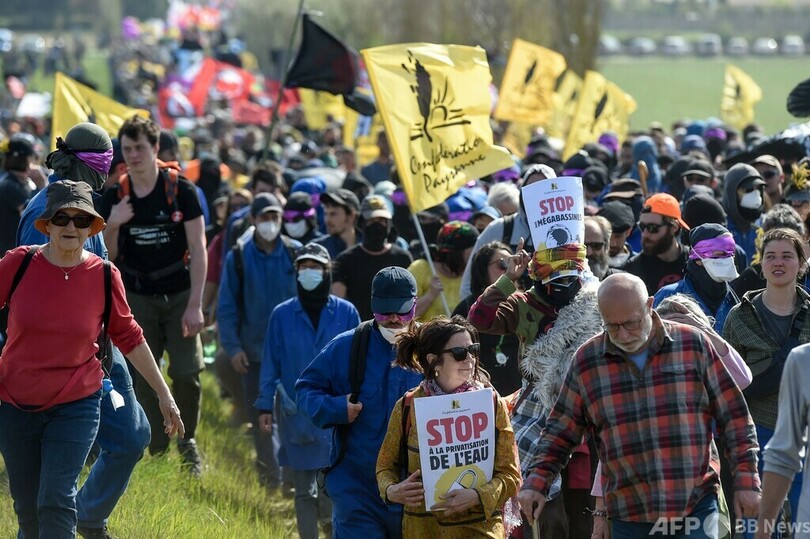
239	266
170	185
103	339
357	374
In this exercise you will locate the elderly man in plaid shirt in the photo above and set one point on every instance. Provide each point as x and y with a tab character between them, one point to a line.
649	391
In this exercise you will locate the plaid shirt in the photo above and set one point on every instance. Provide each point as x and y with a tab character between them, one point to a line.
653	427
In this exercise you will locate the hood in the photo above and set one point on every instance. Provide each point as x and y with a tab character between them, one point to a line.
734	177
644	150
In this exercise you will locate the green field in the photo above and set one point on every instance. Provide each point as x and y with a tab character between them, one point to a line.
669	89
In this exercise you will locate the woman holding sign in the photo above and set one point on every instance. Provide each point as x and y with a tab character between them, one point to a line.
446	352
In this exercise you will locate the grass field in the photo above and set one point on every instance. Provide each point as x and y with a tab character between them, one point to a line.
164	502
668	89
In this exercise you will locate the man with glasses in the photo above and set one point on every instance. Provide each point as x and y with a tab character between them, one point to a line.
699	172
597	244
662	258
771	170
629	387
324	394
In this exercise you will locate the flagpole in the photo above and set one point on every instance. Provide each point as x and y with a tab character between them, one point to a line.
277	105
426	250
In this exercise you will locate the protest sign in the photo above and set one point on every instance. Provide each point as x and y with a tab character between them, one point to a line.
555	210
456	442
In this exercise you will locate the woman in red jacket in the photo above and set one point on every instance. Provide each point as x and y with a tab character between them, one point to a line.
50	377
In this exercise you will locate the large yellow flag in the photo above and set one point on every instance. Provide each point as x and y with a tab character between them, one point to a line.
528	83
435	104
740	94
74	103
602	106
565	99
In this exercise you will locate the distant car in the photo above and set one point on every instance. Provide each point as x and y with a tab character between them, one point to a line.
32	43
709	45
737	46
792	46
764	46
609	45
675	46
640	46
6	40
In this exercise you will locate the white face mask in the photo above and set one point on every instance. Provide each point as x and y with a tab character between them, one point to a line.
390	334
720	269
752	200
310	278
268	230
296	230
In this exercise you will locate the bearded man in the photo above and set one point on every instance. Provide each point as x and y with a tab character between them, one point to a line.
662	258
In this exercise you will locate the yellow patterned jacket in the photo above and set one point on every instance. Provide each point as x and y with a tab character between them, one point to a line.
483	520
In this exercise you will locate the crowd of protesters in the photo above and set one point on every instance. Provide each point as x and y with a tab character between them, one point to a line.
286	251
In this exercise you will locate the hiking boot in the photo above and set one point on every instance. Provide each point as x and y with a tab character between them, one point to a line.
191	457
94	533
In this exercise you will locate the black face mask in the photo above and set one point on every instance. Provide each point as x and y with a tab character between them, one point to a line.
374	236
750	214
560	295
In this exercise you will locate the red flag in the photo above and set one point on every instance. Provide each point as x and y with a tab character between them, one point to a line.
289	97
220	81
248	113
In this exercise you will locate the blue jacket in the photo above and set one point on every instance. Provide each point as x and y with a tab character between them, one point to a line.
269	279
322	388
745	240
290	345
28	235
684	286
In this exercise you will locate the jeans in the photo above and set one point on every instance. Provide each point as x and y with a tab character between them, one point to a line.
123	435
764	435
311	503
44	453
267	445
702	523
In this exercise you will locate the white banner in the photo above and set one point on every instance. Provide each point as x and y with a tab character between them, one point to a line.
456	442
555	209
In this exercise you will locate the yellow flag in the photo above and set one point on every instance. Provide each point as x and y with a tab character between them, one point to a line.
435	104
320	108
565	99
360	133
740	94
528	83
74	103
602	107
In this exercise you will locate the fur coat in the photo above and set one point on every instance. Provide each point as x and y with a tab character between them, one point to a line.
547	359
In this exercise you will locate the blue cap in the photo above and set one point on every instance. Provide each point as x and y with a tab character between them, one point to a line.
393	290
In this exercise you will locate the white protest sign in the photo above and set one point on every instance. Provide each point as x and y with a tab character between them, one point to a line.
456	442
555	209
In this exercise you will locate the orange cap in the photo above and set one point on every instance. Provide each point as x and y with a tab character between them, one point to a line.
666	205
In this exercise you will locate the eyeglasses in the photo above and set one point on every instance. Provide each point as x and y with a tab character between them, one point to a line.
385	317
81	220
501	262
595	245
768	174
460	352
630	325
652	228
798	203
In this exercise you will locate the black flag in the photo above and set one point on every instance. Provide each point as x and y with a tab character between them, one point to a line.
325	63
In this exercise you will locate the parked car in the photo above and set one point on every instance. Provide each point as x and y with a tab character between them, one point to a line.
640	46
609	45
709	45
792	46
6	40
675	46
764	46
737	46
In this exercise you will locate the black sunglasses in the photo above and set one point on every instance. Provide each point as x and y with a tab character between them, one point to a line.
595	245
770	174
460	352
81	220
652	228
